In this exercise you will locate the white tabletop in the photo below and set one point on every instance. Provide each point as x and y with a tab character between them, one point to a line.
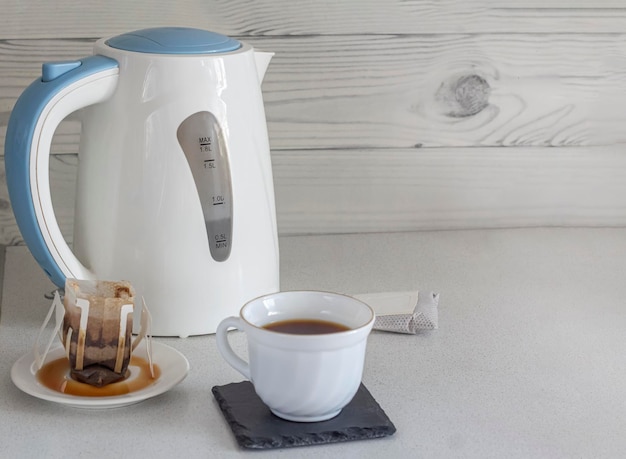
528	360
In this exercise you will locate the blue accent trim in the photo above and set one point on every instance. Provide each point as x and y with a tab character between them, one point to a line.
53	70
174	40
17	155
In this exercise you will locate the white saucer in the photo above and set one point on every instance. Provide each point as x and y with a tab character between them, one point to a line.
174	368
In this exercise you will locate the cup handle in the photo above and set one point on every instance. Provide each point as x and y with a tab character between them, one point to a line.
223	346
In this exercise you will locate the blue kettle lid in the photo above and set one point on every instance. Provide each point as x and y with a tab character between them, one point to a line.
174	40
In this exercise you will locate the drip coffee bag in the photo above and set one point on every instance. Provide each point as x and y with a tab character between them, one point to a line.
97	329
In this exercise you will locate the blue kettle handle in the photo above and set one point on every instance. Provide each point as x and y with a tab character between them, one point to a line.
23	143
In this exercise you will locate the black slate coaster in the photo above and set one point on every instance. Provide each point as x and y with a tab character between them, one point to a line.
256	427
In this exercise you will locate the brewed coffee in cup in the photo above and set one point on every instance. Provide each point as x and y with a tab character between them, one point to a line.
306	327
306	351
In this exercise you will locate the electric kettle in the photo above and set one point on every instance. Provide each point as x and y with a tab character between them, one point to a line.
174	188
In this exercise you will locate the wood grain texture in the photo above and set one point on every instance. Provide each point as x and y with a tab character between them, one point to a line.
406	91
396	190
389	91
388	116
62	189
320	192
93	18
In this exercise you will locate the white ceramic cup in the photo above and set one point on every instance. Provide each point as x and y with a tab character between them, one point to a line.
304	378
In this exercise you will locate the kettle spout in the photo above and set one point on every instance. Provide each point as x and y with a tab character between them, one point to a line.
262	62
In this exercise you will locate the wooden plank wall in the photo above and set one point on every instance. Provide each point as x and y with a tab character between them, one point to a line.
389	115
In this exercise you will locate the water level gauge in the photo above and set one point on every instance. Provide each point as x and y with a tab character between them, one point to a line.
201	138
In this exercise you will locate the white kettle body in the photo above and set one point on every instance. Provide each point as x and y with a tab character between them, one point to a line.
174	188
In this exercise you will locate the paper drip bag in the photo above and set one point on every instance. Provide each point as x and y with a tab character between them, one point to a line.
94	323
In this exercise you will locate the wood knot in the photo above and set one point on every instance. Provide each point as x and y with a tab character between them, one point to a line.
464	95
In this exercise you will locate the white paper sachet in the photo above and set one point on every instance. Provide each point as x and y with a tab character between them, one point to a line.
403	312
